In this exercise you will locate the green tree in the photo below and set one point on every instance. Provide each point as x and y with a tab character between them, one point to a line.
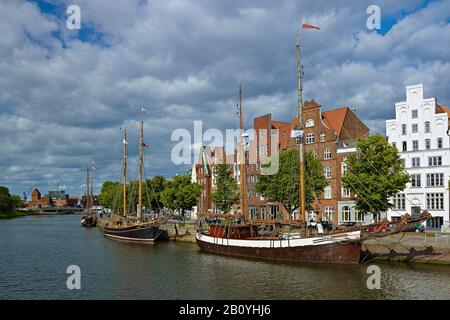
181	194
283	187
226	188
111	195
9	202
155	186
375	173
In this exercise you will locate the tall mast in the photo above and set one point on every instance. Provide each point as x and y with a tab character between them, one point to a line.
141	142
242	156
124	172
87	188
300	127
91	188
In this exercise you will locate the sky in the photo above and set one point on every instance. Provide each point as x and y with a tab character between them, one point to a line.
65	93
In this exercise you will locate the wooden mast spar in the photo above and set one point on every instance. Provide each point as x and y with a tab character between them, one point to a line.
302	213
242	157
141	158
125	172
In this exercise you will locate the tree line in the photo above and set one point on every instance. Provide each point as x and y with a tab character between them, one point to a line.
178	193
9	202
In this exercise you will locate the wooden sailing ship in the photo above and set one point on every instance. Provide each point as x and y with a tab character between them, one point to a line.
289	240
89	218
134	228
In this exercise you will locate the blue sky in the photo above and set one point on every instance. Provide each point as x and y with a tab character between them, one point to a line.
66	92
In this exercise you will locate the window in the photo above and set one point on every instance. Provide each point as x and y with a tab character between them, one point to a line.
322	137
298	140
415	128
435	180
310	138
344	158
328	213
427	144
314	154
403	129
345	193
404	146
346	213
399	201
359	216
344	168
415	145
427	127
435	161
309	123
435	201
414	114
439	143
394	144
415	180
328	194
415	162
403	163
327	154
327	172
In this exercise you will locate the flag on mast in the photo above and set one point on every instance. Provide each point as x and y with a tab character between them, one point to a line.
306	25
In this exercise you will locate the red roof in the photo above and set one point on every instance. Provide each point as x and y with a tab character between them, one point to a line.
335	118
442	109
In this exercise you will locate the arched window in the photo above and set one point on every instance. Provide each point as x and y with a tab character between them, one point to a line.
309	123
310	138
346	213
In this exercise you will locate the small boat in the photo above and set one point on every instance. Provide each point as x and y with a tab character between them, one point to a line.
133	228
89	218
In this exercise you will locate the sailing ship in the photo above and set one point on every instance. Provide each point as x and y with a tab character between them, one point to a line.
286	240
134	228
89	218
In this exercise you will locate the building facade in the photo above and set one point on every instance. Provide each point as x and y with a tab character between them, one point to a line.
420	131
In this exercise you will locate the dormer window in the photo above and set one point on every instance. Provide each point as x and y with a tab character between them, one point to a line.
309	123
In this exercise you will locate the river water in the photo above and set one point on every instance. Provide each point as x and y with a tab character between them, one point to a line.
36	251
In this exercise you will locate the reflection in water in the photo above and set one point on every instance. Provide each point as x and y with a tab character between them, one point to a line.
35	252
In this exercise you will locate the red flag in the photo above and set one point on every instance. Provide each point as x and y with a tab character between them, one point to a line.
306	25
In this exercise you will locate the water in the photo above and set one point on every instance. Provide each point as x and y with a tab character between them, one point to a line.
36	251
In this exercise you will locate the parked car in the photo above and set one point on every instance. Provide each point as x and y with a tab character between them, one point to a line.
349	224
327	225
418	227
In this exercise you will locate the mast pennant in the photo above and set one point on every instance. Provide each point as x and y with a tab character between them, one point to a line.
306	25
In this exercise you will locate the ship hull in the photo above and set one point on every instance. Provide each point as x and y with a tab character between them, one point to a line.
88	221
312	250
136	233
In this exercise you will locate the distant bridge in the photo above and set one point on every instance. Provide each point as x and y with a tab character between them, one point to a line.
60	210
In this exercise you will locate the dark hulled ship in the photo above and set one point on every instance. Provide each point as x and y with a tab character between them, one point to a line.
134	228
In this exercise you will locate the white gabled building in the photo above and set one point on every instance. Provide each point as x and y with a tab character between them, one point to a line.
420	131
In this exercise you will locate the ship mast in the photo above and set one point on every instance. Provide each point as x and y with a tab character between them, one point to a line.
242	156
141	142
87	189
300	127
125	172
